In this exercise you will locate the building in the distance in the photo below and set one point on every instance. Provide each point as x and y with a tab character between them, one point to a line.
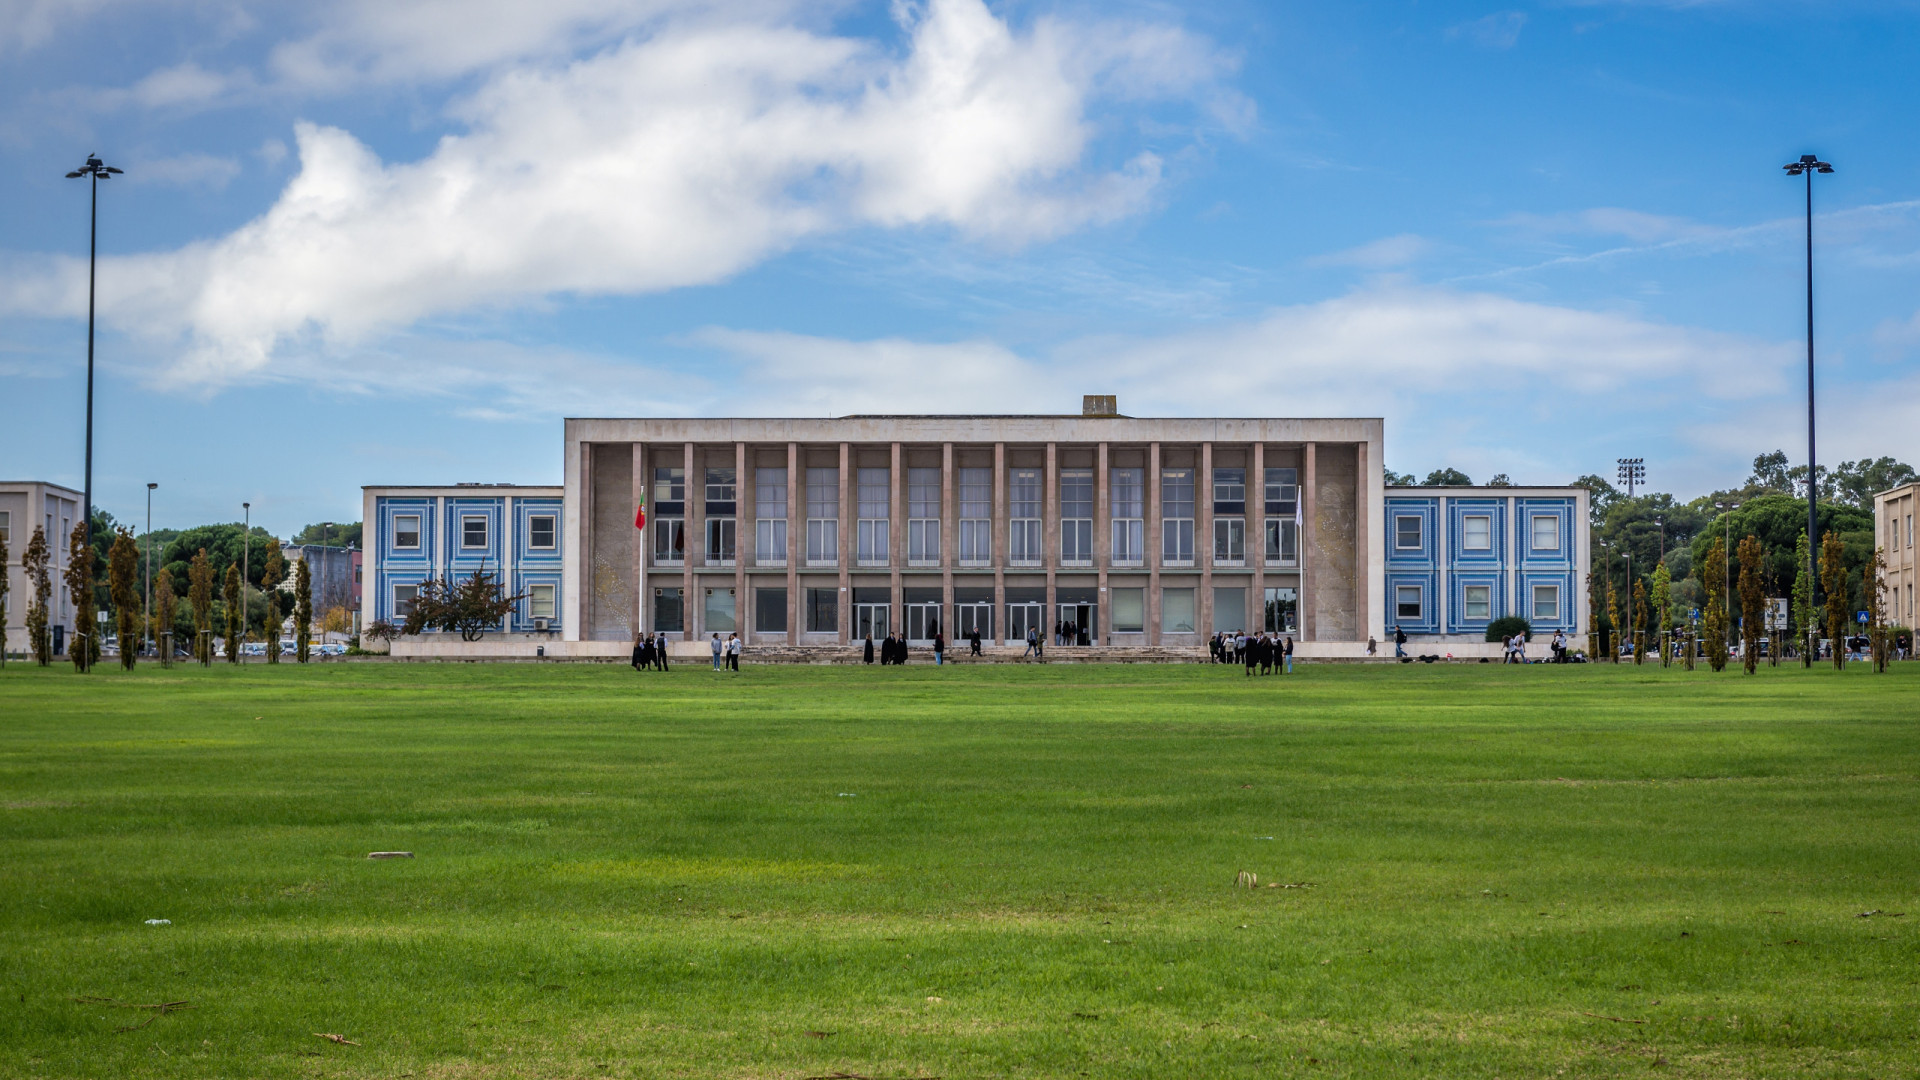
25	505
330	574
1096	531
1893	513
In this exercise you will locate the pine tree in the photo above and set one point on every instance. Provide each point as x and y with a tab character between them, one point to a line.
1611	639
1715	613
1640	609
302	610
1752	599
1662	596
79	577
1833	578
164	602
123	573
1877	635
1593	618
236	618
270	578
38	557
200	595
1803	603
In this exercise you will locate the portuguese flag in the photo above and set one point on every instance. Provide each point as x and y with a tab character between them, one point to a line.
640	513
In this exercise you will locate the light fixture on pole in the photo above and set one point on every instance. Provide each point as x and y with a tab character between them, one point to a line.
1807	166
1631	471
149	539
96	170
246	564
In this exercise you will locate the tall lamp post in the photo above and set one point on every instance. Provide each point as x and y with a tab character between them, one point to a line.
1726	557
96	170
1807	166
149	538
246	564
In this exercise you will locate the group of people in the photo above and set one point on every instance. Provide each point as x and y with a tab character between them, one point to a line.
650	653
726	654
1266	652
1068	632
893	648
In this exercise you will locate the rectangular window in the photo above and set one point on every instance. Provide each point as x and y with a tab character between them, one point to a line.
923	541
823	611
719	612
1176	611
1546	532
1406	532
540	601
1127	490
542	530
668	611
1229	608
1076	517
1406	602
473	531
1023	532
720	540
721	491
823	516
669	540
1176	514
406	532
923	516
1229	491
1476	533
1546	603
1479	603
1129	610
873	542
770	610
770	541
670	492
1283	540
874	496
1281	610
976	516
1230	541
1282	494
403	597
6	526
770	494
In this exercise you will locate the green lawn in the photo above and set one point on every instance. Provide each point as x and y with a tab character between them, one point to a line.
960	872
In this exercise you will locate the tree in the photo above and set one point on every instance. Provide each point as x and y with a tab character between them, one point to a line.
1662	592
336	620
1500	480
1772	474
380	630
1753	599
1600	496
1639	610
200	595
469	607
1857	482
163	605
1833	578
35	563
302	611
1611	639
236	615
79	577
1594	637
1448	477
1803	603
1399	479
1877	634
6	580
224	545
1715	614
271	575
336	534
123	578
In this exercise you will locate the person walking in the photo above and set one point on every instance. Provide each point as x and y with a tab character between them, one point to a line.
716	652
1033	643
973	641
1399	641
939	648
868	655
639	653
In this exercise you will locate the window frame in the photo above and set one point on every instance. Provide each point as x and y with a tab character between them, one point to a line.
467	520
533	600
418	535
404	609
1533	532
1400	613
1400	532
1552	589
1467	603
1230	541
1466	532
1282	541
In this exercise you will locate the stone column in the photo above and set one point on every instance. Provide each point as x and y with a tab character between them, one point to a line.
796	532
589	599
1153	543
1257	537
1362	562
844	555
742	601
640	539
999	537
1203	541
1309	520
1102	539
948	531
1050	536
896	538
696	545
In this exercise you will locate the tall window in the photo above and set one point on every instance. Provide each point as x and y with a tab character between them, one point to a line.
1546	532
669	523
1406	602
1476	533
406	532
6	526
541	531
976	516
923	516
720	541
770	516
875	495
1176	516
1406	532
540	601
1546	603
1280	499
1076	517
1229	491
721	504
1283	540
1479	602
823	516
1023	531
473	530
1230	541
1127	489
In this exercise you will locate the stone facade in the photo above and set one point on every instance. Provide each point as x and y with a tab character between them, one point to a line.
1893	532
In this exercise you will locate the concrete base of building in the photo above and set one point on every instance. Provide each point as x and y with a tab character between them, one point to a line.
503	648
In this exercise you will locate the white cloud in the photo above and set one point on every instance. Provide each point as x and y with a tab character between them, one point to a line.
1500	30
673	160
1382	254
1635	225
186	170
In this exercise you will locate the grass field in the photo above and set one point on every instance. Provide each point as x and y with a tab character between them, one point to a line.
960	872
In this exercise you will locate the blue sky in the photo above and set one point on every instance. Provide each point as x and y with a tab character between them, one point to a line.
371	242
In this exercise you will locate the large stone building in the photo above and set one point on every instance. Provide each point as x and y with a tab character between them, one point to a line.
1098	530
1893	513
54	509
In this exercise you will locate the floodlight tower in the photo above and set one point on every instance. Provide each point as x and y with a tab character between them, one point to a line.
1632	471
96	170
1807	166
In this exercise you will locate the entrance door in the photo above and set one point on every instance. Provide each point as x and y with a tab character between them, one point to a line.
870	620
923	621
1022	617
968	617
1077	624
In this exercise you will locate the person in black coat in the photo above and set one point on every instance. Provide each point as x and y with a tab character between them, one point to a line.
660	651
640	655
868	655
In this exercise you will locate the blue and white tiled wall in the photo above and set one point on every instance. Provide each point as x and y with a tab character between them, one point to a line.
519	537
1456	562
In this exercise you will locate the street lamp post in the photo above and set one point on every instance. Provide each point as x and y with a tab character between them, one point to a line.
1726	558
246	565
96	170
1807	166
323	573
149	538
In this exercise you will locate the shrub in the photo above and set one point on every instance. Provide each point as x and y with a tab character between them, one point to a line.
1506	626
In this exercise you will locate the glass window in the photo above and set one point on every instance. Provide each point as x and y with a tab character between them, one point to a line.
1128	491
1230	540
872	540
1406	602
1406	532
668	611
874	494
770	610
823	611
1024	493
1023	535
1476	533
473	531
541	530
1546	603
1282	490
669	487
770	494
1129	610
720	540
976	515
721	490
823	493
403	598
1023	540
1281	609
1176	493
1479	603
1546	532
1076	516
1176	611
1230	491
6	526
406	531
770	540
923	493
540	601
719	612
1283	540
1229	608
669	539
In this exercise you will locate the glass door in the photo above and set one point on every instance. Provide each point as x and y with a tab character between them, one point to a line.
970	617
870	621
1077	624
1024	617
923	621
